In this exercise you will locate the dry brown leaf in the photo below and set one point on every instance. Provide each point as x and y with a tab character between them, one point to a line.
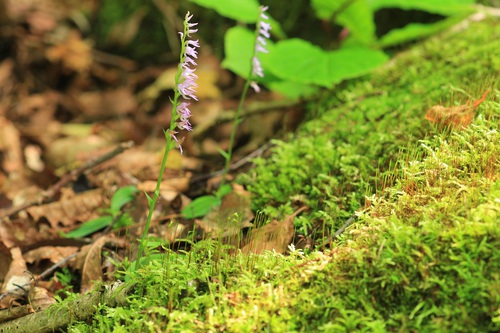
276	235
455	116
90	260
227	220
5	260
100	104
10	147
53	253
39	298
74	53
19	233
82	207
17	280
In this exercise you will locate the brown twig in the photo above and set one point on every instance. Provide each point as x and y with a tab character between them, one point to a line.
238	164
67	178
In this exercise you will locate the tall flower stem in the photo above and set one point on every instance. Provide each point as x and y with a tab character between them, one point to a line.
261	34
184	87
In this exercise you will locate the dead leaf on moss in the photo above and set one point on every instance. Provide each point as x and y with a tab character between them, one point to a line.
226	221
89	260
454	116
276	235
40	299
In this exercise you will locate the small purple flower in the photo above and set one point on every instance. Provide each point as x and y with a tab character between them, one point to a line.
186	84
260	46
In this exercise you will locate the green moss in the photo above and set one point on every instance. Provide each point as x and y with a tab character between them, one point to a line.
346	152
424	254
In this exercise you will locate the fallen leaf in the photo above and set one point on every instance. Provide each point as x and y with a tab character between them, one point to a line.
459	116
39	298
89	260
74	53
82	207
18	281
53	253
276	235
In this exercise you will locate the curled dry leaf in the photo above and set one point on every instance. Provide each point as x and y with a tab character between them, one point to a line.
17	280
89	260
75	54
10	147
82	207
276	235
53	253
455	116
226	221
39	298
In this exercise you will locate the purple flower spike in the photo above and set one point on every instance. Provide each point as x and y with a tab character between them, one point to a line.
186	84
260	46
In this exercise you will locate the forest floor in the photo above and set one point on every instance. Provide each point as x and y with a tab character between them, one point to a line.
409	156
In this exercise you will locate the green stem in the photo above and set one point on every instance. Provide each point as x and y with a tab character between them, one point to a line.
235	126
152	204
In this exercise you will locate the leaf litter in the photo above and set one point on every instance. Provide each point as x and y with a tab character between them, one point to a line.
66	109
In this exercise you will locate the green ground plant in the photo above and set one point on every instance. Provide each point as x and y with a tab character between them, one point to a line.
423	255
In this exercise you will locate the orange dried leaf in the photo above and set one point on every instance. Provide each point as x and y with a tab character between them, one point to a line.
455	116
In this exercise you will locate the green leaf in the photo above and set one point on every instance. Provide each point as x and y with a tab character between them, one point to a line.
223	191
293	89
414	31
300	61
223	153
443	7
241	10
90	227
121	197
239	49
200	206
357	16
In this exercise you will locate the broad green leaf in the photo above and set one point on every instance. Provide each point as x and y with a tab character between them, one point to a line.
352	62
443	7
299	61
200	206
239	50
241	10
326	8
292	89
122	196
90	227
223	191
413	31
357	16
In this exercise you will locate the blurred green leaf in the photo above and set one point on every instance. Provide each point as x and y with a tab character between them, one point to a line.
239	49
200	206
121	197
300	61
241	10
223	191
90	227
443	7
413	31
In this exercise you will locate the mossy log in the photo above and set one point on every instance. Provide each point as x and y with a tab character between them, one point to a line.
58	316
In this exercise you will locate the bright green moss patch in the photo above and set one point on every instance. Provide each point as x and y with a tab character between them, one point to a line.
347	151
424	254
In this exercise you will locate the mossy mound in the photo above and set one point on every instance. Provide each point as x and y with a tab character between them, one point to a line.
424	254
